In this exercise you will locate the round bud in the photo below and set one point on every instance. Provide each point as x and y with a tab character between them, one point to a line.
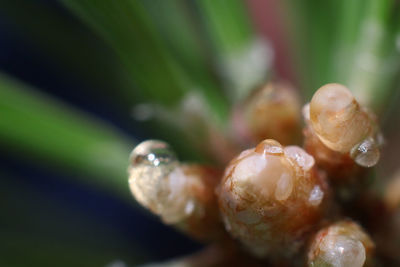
270	197
341	244
270	111
337	118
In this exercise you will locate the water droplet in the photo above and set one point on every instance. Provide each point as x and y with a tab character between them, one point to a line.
316	196
284	187
366	153
302	158
269	146
152	152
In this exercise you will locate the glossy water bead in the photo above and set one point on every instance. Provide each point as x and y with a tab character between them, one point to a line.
269	197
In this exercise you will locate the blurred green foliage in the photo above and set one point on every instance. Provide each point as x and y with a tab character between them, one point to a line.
36	127
350	42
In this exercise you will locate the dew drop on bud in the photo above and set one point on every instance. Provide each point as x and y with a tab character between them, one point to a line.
284	187
366	153
269	146
302	158
316	196
152	152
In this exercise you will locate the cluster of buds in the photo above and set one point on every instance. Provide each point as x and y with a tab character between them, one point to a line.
275	203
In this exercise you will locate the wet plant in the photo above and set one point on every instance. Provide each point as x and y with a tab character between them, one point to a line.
267	131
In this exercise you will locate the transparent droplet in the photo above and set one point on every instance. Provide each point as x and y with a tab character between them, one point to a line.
152	152
302	158
316	196
269	146
366	153
284	187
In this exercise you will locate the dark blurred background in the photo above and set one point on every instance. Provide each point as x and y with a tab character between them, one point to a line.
47	218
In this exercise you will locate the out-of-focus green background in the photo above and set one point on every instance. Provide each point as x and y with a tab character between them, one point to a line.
82	81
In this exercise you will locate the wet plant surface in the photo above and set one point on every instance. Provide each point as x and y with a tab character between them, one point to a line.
252	133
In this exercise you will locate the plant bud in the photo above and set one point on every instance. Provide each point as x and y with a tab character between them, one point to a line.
343	125
339	167
271	111
181	194
270	197
342	244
